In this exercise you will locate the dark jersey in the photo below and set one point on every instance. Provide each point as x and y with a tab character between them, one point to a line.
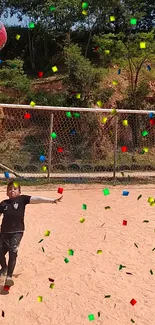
13	214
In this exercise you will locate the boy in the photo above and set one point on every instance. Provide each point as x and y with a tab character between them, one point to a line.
12	227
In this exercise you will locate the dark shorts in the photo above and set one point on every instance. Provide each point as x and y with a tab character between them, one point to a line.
10	242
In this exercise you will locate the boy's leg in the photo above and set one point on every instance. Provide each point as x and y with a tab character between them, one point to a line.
4	247
13	250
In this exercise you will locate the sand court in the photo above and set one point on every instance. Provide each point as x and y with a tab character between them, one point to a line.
124	270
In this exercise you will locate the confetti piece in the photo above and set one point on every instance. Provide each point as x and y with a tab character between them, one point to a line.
124	149
60	150
76	115
44	168
146	221
51	280
153	249
84	12
133	302
129	273
52	8
107	208
151	271
40	298
152	204
108	296
53	135
104	237
27	116
125	122
40	241
119	71
43	249
42	158
139	197
122	174
132	320
15	184
32	104
142	45
66	260
98	313
133	21
148	67
103	224
60	190
21	297
91	317
55	69
70	252
125	193
40	74
99	103
150	199
3	313
152	121
112	18
68	114
121	267
106	191
82	220
99	251
115	82
6	288
52	285
124	222
151	115
136	245
78	96
6	174
107	51
47	233
31	25
84	207
104	120
17	37
73	132
144	133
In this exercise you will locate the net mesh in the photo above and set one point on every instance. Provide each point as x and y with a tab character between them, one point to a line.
83	148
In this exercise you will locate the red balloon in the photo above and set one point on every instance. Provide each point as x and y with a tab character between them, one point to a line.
3	35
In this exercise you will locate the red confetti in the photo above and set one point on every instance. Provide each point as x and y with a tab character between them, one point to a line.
124	222
124	149
60	150
40	74
133	302
27	115
6	288
60	190
152	121
95	49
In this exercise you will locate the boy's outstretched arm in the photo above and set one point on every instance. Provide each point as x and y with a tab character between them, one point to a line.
37	200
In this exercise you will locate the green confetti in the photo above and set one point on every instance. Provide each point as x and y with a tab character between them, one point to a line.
106	208
76	114
21	297
43	249
40	241
132	320
91	317
52	8
146	221
68	114
136	245
121	267
133	21
139	197
108	296
66	260
31	25
144	133
53	135
151	271
84	207
106	191
70	252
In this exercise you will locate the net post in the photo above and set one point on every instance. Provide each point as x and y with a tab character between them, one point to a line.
50	146
115	150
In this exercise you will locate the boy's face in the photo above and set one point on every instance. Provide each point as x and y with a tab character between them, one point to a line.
13	192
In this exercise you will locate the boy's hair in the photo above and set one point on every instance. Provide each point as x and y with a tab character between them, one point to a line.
14	183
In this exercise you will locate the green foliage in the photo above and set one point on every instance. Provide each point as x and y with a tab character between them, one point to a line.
12	76
82	77
42	98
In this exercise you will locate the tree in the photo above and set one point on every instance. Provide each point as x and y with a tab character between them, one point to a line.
125	51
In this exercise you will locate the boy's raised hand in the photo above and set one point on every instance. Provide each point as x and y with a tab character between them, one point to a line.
57	200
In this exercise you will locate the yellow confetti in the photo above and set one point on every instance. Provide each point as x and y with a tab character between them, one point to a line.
55	69
142	45
115	82
52	285
84	12
78	96
40	298
150	199
145	149
17	37
104	120
82	220
15	184
107	51
99	251
99	103
32	103
113	112
47	233
125	122
112	18
44	168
